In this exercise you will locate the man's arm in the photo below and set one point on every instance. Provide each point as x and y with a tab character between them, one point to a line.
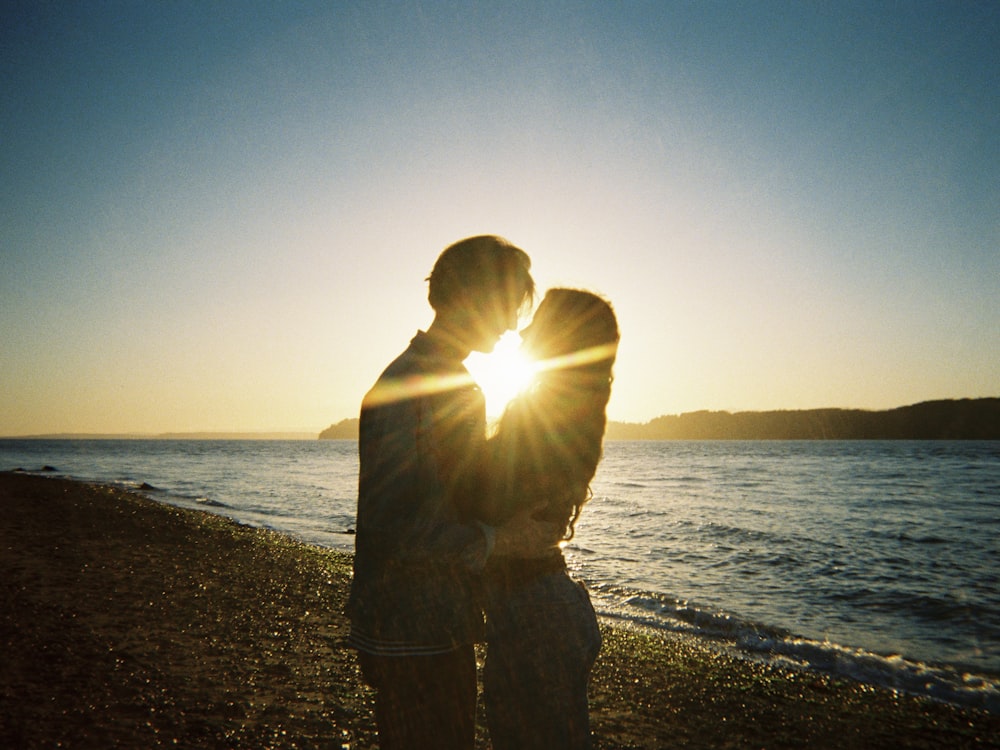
405	508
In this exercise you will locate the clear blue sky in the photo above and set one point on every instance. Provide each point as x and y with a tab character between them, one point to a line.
219	216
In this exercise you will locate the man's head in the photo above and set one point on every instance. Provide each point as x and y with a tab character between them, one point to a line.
478	287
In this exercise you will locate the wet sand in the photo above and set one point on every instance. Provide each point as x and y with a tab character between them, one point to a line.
128	623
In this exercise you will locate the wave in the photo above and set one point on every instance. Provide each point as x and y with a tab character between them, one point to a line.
716	531
210	503
783	648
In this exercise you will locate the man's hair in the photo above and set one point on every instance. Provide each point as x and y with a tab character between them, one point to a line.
486	267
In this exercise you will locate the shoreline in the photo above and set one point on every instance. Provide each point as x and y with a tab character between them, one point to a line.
133	623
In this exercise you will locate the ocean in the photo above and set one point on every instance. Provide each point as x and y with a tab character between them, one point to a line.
874	560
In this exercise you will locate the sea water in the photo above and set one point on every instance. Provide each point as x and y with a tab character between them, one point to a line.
877	560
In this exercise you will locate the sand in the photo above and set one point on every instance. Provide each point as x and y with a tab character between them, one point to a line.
128	623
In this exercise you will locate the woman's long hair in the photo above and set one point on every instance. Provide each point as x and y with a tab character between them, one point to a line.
549	440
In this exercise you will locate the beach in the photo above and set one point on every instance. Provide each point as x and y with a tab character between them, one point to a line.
129	623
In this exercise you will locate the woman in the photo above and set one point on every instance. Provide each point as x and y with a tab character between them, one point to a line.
542	632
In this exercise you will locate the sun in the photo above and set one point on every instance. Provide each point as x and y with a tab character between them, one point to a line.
502	374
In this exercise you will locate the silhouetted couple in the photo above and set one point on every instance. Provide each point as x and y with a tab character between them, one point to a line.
452	525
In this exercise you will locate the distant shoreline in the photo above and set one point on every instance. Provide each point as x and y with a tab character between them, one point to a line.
951	419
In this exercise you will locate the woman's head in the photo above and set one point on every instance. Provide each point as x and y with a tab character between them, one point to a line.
553	433
572	328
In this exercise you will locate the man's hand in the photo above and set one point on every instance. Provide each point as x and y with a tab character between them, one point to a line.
526	537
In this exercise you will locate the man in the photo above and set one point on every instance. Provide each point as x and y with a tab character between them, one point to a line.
419	548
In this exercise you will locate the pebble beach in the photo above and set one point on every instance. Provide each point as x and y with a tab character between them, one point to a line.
128	623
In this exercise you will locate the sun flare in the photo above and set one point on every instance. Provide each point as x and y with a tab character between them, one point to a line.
501	374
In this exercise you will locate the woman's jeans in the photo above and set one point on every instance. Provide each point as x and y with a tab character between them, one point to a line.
542	641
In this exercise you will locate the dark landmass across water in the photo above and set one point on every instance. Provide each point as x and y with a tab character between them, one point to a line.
345	429
957	419
965	419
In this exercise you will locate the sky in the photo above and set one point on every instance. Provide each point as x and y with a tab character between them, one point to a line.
219	216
